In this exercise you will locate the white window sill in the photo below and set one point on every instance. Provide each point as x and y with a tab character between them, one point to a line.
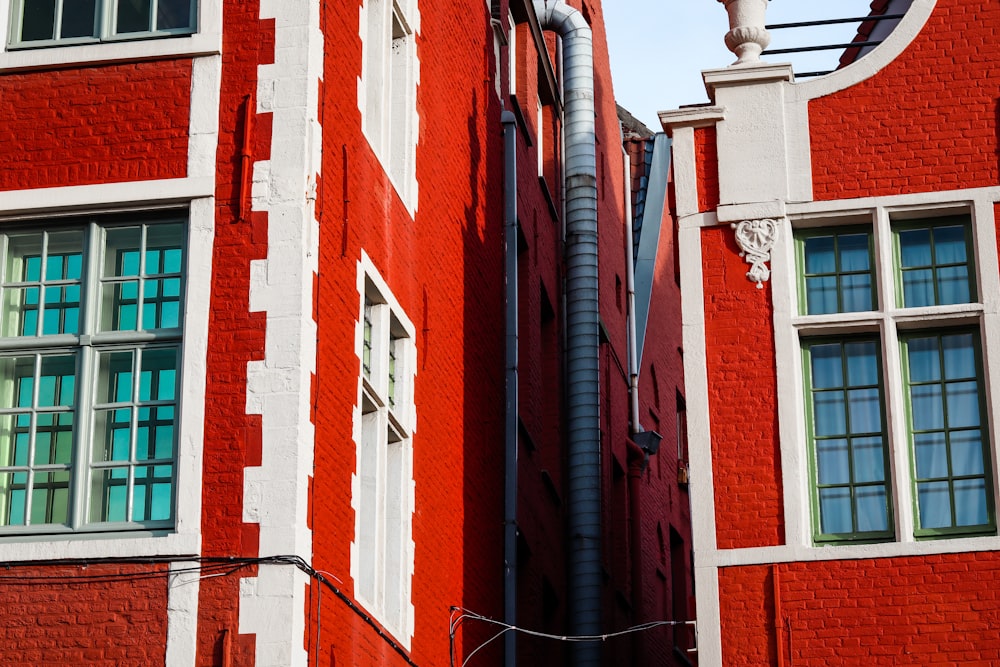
136	544
199	44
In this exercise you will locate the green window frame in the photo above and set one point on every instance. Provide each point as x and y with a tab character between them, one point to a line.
848	444
934	262
836	270
91	315
46	23
948	434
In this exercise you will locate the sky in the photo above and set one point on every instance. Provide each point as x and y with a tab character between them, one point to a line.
659	47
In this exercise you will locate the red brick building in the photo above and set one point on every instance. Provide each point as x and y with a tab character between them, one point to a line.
839	275
254	407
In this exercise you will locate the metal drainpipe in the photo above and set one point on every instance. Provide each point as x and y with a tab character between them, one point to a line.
582	324
509	122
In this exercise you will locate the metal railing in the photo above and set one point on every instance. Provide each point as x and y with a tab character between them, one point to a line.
827	47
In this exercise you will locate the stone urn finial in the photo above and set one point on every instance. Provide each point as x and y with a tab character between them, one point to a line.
747	36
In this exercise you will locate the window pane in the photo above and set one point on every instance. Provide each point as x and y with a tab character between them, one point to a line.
50	498
39	20
159	372
835	511
924	362
833	464
915	247
959	356
827	366
869	459
78	18
819	255
963	404
970	502
173	14
115	377
931	453
133	16
109	495
830	413
856	292
967	453
821	295
862	364
12	498
872	509
949	245
928	413
953	285
152	495
918	288
54	438
853	252
865	410
112	435
935	504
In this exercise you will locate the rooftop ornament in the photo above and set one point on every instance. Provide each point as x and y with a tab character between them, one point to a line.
747	37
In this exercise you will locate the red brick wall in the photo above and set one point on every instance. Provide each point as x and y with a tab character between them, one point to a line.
60	616
918	611
742	398
232	439
97	124
706	155
925	122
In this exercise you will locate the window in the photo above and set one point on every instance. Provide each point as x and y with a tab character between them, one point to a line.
383	554
853	387
388	94
63	22
90	343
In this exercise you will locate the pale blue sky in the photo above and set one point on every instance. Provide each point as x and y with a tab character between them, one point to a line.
659	47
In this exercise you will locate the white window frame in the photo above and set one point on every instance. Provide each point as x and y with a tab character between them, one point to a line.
105	19
204	39
387	90
382	553
790	327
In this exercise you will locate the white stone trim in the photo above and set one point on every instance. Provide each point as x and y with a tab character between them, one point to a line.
368	272
206	41
203	125
863	68
109	196
272	604
685	172
182	616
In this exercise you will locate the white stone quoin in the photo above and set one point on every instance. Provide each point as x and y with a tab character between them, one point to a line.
747	37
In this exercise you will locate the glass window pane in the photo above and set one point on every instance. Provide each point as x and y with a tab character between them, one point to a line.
959	356
819	255
832	462
13	494
39	20
927	406
862	364
112	435
854	254
827	366
970	502
54	438
133	16
934	504
918	288
152	493
924	360
829	413
49	498
856	292
963	404
949	245
120	306
872	509
931	453
821	295
115	377
835	511
915	247
865	410
109	495
967	453
869	459
121	254
173	14
78	18
953	285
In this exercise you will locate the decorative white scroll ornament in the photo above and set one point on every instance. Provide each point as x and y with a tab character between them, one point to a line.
755	239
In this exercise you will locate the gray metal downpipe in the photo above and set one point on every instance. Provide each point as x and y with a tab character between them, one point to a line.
509	121
582	324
